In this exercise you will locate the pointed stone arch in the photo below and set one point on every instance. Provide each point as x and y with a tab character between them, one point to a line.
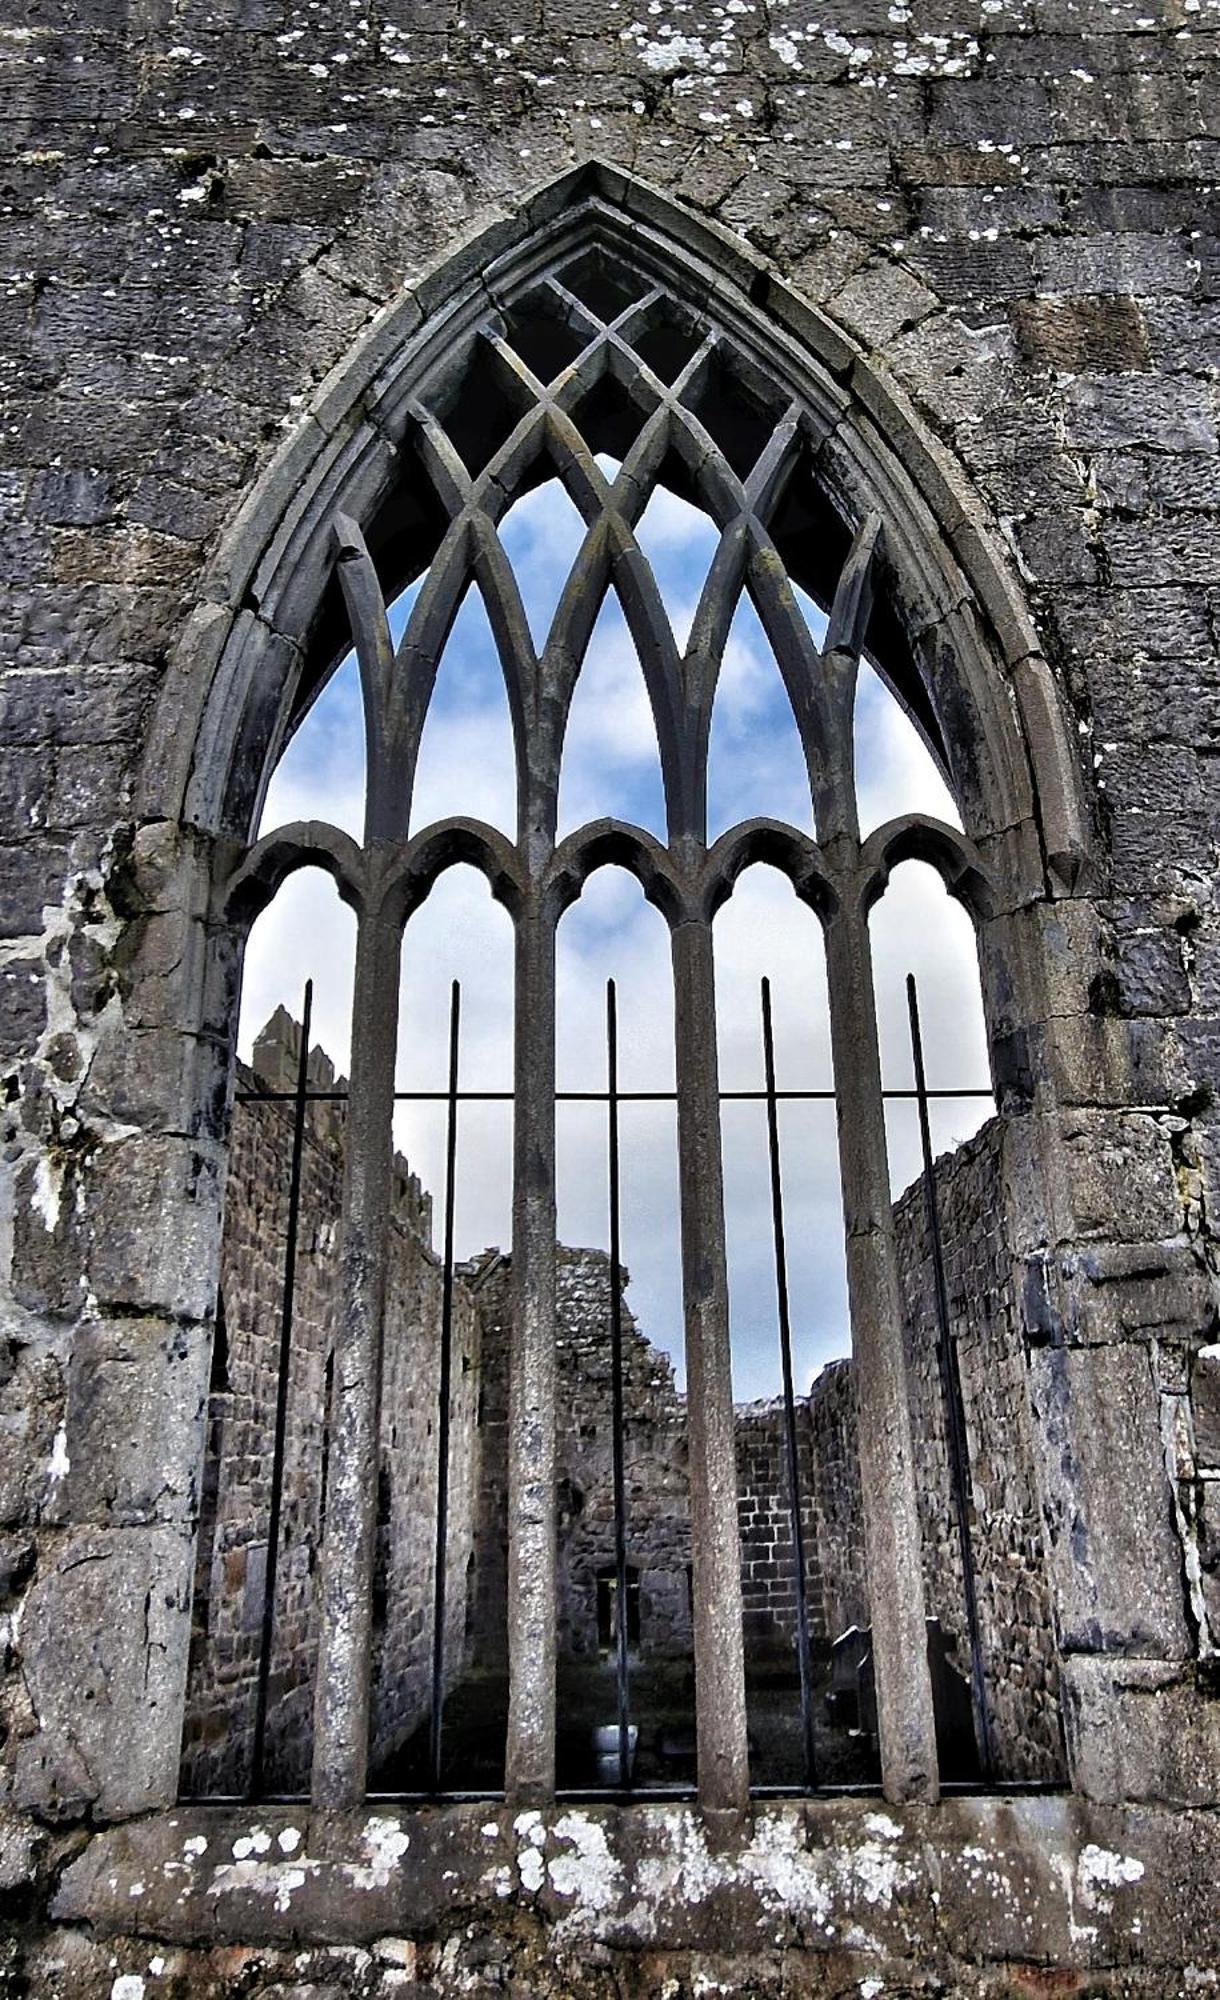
370	489
969	665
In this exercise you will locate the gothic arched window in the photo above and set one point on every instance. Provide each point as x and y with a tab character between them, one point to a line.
597	369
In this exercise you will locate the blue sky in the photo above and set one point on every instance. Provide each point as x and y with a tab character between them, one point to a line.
611	766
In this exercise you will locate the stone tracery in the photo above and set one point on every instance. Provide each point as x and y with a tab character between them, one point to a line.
598	354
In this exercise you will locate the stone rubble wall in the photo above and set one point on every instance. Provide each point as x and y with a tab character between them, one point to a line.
839	1509
764	1519
1016	1619
232	1551
655	1465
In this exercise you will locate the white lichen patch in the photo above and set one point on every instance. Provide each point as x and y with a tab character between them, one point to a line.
277	1880
59	1465
257	1841
686	1873
1099	1869
288	1840
589	1873
785	1874
531	1869
195	1847
385	1843
128	1986
47	1196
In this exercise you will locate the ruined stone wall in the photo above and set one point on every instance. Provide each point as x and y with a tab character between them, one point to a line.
764	1515
231	1563
657	1486
839	1508
655	1466
1016	1618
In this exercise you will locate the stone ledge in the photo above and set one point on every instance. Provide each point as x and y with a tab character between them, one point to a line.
1044	1880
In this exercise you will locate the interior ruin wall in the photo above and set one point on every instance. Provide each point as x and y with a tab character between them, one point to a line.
998	221
231	1567
1008	1555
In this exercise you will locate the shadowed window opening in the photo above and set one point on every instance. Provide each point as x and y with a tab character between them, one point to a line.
540	331
667	343
603	283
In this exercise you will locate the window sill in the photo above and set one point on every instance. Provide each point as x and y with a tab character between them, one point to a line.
1030	1877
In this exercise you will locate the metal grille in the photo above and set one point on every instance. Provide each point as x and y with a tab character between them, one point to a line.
595	359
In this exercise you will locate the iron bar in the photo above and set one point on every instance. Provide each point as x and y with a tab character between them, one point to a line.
442	1442
785	1349
275	1505
951	1390
584	1096
616	1386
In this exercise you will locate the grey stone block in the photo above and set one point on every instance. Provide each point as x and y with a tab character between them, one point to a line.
103	1650
1108	1508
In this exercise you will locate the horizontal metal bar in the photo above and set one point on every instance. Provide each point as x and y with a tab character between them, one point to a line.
960	1788
587	1096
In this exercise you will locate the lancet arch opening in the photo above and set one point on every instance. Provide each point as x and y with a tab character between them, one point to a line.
612	367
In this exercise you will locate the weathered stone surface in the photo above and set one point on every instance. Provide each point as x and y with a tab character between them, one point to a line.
1137	1729
134	1390
99	1624
1115	1553
1205	1406
1055	1882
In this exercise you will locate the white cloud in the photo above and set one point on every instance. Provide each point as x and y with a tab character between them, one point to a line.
895	770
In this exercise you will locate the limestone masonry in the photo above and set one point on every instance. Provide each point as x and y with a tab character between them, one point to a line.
234	237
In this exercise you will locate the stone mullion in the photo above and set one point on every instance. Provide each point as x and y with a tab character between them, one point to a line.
342	1689
532	1603
720	1698
892	1539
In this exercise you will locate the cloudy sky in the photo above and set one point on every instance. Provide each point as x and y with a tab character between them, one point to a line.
611	766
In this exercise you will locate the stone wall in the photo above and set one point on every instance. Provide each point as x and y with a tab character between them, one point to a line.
764	1515
1016	1619
839	1498
657	1492
231	1564
654	1453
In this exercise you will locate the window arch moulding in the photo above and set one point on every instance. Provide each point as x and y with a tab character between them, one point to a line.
406	462
231	697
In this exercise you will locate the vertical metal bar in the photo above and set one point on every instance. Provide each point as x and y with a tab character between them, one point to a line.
951	1390
906	1724
442	1427
616	1382
266	1635
785	1350
720	1685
